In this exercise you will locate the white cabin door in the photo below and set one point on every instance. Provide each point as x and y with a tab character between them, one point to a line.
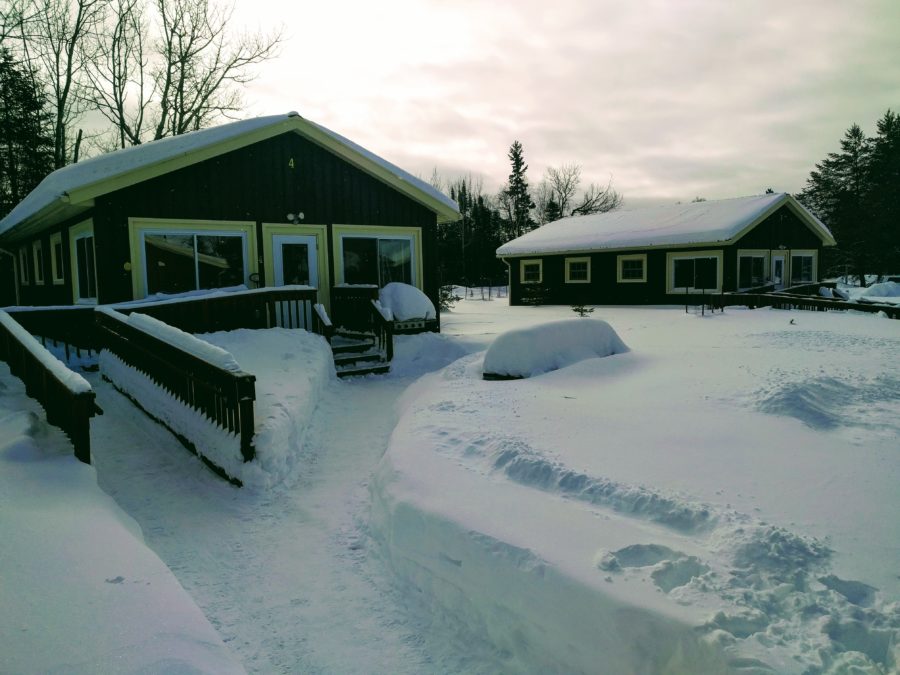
778	271
295	260
295	263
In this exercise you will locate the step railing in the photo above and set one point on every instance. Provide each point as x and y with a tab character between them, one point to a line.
67	397
225	397
382	324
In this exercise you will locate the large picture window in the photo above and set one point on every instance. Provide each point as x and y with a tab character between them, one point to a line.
176	262
751	269
694	272
803	267
377	260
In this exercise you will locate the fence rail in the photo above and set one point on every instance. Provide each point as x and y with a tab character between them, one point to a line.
223	396
67	407
797	301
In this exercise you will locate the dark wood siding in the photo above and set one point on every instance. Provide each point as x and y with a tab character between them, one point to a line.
260	183
49	293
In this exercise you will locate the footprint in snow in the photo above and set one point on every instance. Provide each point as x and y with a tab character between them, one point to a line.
672	569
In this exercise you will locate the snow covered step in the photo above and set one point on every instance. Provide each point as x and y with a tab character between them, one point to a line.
355	370
341	345
349	358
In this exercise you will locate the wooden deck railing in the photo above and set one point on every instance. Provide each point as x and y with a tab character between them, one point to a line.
67	399
351	306
784	300
223	396
71	327
383	327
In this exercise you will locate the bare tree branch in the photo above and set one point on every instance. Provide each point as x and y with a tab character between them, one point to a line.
598	200
564	183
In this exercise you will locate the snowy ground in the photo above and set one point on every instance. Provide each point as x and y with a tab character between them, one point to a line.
724	490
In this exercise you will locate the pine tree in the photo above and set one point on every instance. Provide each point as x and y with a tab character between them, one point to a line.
884	194
518	198
26	137
552	211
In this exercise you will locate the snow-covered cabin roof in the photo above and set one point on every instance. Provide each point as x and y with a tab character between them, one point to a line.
722	221
71	190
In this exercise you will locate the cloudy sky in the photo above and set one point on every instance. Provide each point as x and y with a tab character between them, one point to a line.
672	98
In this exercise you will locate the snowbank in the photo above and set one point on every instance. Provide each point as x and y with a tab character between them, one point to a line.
526	352
69	379
565	527
406	302
81	593
291	367
886	289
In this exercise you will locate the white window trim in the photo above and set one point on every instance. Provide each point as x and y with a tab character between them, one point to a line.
37	254
752	253
633	256
802	252
23	267
188	232
54	240
414	234
77	233
670	271
569	279
532	261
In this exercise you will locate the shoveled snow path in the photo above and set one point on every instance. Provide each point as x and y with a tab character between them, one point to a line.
285	575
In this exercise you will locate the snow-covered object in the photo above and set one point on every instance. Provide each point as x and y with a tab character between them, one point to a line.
178	338
81	592
69	379
825	292
693	223
95	170
886	289
527	352
406	302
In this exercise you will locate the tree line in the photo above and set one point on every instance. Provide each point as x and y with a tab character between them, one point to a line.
468	247
856	193
148	68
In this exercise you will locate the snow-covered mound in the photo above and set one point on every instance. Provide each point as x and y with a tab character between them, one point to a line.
292	367
81	593
658	494
406	302
886	289
527	352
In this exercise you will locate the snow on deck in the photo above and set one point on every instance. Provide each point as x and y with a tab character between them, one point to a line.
80	591
729	486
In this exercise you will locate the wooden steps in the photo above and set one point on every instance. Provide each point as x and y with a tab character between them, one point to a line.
356	354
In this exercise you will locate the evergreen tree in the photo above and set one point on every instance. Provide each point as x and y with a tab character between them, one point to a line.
552	211
884	194
26	136
517	196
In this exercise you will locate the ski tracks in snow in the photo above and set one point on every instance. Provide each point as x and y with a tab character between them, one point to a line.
285	575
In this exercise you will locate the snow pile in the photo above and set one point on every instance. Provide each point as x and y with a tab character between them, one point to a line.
69	379
292	367
563	527
415	355
886	289
81	592
406	302
527	352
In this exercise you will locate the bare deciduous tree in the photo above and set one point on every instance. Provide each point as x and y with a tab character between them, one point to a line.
61	38
564	183
598	200
199	61
12	16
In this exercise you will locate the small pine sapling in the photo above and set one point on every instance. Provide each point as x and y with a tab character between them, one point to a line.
582	310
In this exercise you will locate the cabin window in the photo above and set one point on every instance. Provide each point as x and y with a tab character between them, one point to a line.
377	260
23	266
694	272
56	259
85	266
176	262
631	268
803	268
37	252
578	270
751	270
531	271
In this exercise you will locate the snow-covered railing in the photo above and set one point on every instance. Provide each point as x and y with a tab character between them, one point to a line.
65	395
70	326
322	322
200	375
806	302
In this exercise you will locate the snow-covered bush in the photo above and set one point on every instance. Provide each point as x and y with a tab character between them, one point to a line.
527	352
406	302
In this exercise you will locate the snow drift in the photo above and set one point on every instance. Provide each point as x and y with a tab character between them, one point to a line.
527	352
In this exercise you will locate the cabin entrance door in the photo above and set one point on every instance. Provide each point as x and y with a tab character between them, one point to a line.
778	270
295	260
